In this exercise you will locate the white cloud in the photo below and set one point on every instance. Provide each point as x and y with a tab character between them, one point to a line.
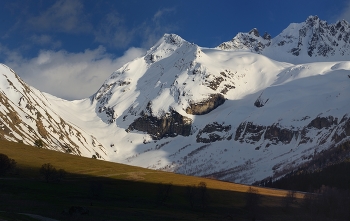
70	75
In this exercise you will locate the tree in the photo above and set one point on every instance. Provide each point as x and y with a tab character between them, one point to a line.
39	143
253	201
328	203
7	165
203	194
50	173
289	199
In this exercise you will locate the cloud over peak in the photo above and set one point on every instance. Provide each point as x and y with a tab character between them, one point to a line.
80	74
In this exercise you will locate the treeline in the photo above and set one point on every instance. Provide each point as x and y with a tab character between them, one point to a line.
337	176
330	167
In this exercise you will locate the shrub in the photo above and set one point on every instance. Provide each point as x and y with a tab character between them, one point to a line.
7	165
50	173
39	143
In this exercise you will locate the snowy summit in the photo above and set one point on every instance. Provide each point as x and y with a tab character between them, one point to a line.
251	109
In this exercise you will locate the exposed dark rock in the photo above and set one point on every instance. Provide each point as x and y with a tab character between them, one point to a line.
239	131
295	51
249	132
227	88
318	123
326	126
214	84
251	40
210	130
206	105
169	125
343	130
267	36
260	102
255	32
173	39
110	113
276	134
323	122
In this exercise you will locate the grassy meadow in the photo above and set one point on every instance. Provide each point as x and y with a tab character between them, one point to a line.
99	190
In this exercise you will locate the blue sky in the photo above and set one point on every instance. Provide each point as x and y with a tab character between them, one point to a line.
69	47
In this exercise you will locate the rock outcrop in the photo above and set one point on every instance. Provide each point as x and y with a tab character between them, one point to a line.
250	41
320	129
313	38
206	105
169	125
214	132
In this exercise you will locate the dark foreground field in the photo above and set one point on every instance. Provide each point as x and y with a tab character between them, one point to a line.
99	190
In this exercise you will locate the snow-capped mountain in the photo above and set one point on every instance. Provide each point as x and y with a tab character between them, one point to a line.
27	117
309	41
232	112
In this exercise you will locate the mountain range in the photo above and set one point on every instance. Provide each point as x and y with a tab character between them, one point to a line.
252	108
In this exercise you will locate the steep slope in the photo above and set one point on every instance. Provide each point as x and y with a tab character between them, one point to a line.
251	41
232	115
309	41
26	116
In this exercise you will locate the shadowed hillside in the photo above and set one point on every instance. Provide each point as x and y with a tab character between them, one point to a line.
95	189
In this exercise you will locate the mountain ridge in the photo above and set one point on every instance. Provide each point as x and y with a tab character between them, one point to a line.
231	114
309	41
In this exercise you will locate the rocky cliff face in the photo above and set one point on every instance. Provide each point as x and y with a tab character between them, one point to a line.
214	132
313	38
206	105
170	125
319	130
248	41
320	39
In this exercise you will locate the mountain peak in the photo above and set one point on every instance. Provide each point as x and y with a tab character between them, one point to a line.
247	41
312	18
255	32
173	39
308	41
165	46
